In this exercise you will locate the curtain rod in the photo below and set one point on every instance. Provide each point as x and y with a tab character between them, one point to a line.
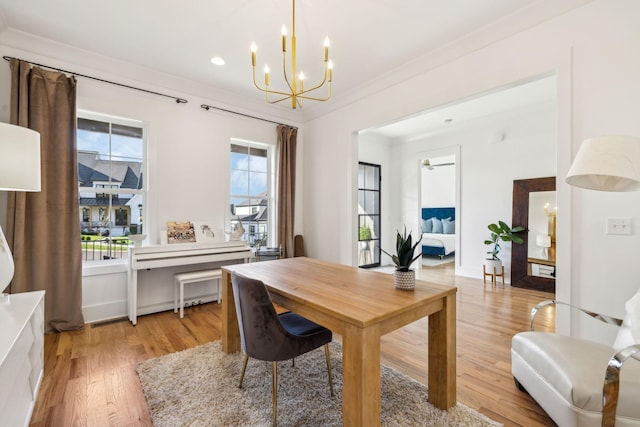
208	107
178	100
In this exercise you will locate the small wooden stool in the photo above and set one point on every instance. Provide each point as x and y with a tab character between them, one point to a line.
181	279
494	275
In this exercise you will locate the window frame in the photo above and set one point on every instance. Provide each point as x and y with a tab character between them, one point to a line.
107	189
270	196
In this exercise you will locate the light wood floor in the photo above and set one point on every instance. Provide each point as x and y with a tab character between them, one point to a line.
90	379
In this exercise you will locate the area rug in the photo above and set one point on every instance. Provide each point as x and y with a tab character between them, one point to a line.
199	387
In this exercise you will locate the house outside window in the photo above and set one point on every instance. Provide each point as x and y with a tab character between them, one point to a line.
111	164
251	194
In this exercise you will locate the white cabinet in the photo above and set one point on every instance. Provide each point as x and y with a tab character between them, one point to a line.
21	356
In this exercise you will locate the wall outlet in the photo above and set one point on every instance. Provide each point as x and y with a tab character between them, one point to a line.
619	226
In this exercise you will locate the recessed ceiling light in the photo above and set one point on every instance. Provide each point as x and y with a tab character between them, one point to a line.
448	120
216	60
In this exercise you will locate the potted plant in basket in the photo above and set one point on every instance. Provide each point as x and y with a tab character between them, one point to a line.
403	276
500	232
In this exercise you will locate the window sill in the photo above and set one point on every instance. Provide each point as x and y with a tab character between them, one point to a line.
98	268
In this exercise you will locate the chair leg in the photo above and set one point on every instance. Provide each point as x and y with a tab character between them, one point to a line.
328	355
274	392
244	368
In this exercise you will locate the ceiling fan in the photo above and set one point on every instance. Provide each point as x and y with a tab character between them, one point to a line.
427	164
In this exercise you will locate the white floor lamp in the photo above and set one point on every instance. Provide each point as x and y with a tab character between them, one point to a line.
19	171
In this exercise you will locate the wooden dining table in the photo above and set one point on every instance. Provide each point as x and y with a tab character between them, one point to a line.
360	305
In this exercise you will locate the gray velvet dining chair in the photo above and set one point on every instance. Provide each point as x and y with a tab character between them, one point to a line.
267	336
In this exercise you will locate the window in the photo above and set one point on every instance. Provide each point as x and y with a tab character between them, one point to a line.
250	192
111	164
369	179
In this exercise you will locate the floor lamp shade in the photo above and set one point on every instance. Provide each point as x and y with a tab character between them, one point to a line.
607	163
19	158
19	171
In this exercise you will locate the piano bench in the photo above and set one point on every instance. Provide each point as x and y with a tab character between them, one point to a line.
181	279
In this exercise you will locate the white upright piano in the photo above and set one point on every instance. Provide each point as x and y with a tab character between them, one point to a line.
169	255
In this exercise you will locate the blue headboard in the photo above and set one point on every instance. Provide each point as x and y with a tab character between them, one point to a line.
438	213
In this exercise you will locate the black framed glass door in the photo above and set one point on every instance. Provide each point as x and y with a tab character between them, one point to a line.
369	180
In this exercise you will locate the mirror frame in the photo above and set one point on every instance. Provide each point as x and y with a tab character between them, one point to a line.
520	216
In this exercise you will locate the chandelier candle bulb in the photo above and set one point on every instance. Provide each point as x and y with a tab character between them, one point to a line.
266	75
253	54
326	49
284	38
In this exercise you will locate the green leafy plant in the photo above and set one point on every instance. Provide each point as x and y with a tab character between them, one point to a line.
404	251
365	233
502	232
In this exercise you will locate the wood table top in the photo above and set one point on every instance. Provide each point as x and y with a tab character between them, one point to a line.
353	295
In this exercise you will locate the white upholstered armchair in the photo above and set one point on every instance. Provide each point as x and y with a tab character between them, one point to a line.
580	382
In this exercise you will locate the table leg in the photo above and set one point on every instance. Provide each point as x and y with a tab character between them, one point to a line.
230	329
361	376
132	294
442	355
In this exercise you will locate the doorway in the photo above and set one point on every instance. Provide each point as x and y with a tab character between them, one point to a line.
496	131
438	198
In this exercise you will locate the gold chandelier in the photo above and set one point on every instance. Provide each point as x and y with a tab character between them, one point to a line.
296	91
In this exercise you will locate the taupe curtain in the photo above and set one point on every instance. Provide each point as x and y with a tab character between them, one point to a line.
287	137
43	229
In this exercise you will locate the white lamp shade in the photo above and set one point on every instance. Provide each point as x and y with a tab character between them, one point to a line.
19	158
607	163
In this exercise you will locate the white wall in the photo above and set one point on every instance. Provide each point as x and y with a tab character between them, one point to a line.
188	159
593	51
438	187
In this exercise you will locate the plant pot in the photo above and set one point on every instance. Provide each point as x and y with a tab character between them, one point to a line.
491	263
405	280
137	239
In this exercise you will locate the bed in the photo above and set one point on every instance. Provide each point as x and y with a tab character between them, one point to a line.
438	231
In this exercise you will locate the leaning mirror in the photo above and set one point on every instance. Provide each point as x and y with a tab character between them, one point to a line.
533	263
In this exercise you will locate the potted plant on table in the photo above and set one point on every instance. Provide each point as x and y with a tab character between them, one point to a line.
404	277
500	232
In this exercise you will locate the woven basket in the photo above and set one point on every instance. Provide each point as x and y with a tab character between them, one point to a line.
405	280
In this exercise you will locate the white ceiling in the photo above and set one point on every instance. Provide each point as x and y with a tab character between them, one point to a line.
514	98
369	38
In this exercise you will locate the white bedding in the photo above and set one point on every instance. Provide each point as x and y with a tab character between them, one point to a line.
448	241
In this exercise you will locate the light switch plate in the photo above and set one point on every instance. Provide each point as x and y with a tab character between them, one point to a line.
619	226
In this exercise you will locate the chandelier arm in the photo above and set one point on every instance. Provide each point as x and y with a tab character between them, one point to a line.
284	98
255	83
284	71
324	80
277	92
315	98
269	91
